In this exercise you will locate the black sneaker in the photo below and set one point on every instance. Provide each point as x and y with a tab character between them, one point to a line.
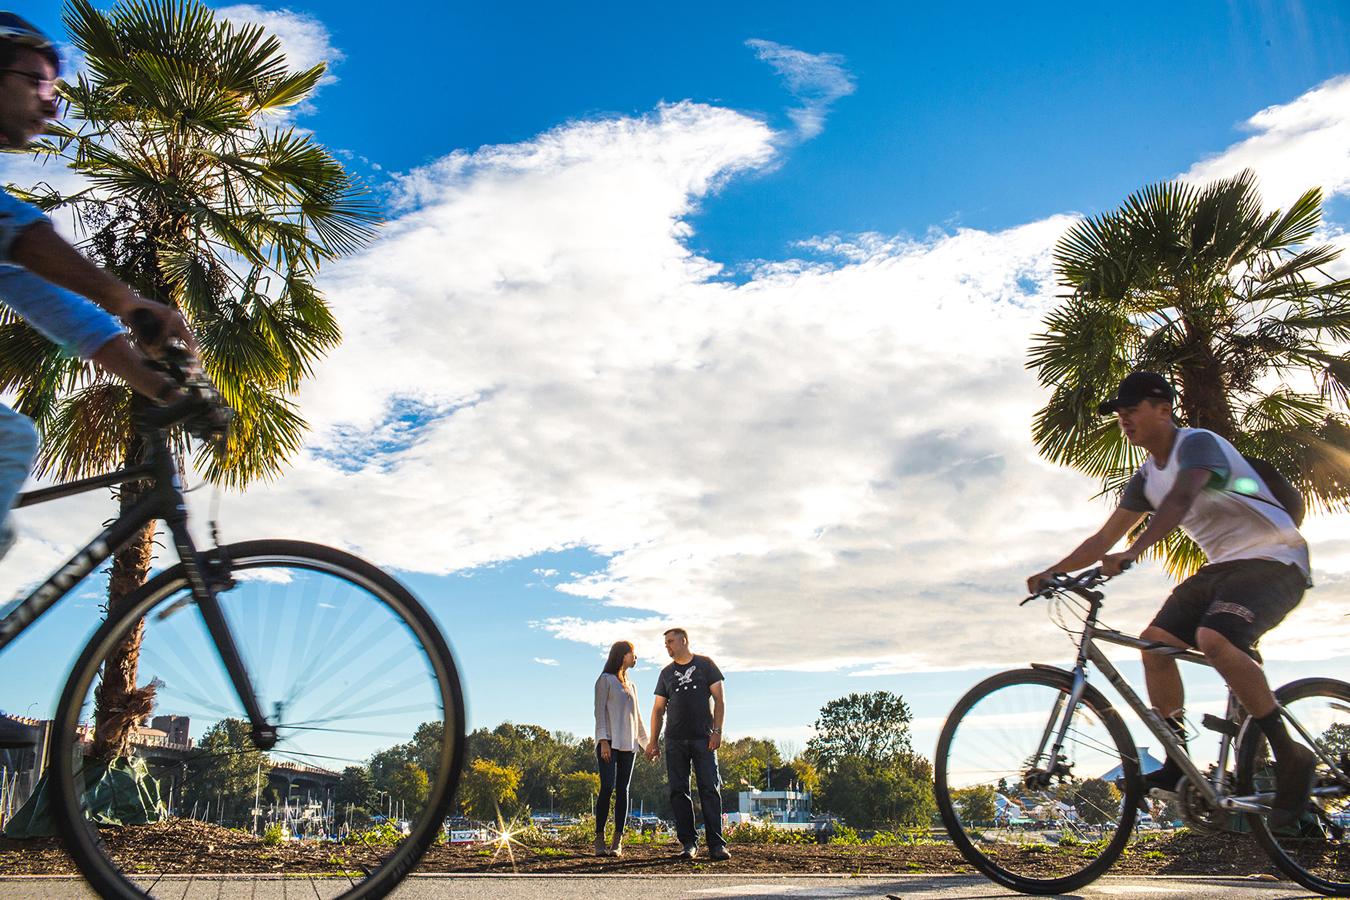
687	852
1295	775
721	854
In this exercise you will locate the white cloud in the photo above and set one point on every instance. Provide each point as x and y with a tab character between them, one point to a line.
305	40
827	466
816	79
546	662
1294	147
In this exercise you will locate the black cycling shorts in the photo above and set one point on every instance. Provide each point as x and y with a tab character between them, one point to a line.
1241	600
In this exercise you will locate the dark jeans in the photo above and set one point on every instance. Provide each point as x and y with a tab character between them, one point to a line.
681	756
614	778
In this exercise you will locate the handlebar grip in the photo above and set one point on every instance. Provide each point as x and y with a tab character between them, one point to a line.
146	325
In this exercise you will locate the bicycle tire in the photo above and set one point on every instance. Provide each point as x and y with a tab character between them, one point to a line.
1311	852
988	742
348	663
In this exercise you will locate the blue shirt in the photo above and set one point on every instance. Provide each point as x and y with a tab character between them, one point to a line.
77	325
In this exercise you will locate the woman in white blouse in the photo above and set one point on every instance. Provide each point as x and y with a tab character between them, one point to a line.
618	735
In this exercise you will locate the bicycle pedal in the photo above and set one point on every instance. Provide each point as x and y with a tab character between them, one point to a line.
1222	726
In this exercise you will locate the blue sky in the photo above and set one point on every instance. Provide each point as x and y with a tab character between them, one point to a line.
689	315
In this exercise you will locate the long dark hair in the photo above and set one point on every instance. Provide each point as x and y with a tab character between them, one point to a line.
614	665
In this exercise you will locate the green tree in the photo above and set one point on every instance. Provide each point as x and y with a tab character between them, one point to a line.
577	792
197	199
1231	303
354	797
409	786
890	793
488	791
1097	802
805	774
976	804
874	727
226	771
1335	740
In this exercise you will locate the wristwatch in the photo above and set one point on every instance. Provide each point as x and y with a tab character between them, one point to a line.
716	730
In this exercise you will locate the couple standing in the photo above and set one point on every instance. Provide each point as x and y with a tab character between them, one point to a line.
689	690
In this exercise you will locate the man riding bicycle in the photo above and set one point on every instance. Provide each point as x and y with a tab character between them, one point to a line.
1257	572
48	283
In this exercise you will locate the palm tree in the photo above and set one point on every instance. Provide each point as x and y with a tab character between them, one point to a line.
198	198
1233	305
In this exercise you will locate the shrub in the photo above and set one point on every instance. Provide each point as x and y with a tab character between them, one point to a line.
274	835
766	833
384	836
845	835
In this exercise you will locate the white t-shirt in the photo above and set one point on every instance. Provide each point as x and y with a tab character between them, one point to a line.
1235	516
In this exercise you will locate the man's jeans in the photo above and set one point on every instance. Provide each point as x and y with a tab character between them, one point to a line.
18	445
681	756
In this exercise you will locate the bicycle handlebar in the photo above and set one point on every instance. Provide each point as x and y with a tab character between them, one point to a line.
202	411
1081	584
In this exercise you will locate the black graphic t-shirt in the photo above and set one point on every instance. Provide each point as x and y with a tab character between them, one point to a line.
688	697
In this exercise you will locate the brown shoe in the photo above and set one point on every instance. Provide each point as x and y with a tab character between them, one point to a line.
1295	776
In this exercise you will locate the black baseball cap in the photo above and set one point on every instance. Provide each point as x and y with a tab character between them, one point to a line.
1138	386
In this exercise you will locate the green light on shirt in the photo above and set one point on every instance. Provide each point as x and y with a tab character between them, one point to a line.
1246	486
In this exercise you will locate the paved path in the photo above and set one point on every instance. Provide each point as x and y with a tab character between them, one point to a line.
701	887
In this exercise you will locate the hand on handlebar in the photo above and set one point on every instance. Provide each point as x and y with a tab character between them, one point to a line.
1115	563
157	327
1040	580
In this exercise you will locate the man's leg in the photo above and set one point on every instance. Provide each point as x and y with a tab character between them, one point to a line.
1162	676
18	445
1253	598
1241	672
1295	764
1167	695
681	806
710	796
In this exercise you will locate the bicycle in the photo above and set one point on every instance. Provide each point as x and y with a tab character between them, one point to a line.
1042	737
311	662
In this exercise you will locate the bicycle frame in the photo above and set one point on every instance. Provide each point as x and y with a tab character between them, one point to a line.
163	500
1214	791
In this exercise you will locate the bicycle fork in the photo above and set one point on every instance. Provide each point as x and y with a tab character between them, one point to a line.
205	584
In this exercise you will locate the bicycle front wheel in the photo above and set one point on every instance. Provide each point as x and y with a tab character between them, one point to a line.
1314	851
160	787
1029	822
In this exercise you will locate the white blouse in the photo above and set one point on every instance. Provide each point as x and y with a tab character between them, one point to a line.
616	715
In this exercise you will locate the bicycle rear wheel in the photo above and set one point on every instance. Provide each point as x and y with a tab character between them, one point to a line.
349	667
1315	851
1020	819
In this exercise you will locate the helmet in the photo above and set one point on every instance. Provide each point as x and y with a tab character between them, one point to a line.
17	30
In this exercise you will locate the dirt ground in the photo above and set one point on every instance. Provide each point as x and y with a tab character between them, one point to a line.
196	847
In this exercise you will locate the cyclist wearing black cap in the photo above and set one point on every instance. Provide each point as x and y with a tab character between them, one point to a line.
1257	570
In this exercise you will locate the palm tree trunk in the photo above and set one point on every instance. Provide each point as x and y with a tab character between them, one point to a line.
118	704
1204	392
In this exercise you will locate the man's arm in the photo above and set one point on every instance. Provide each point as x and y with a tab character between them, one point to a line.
654	736
1189	484
719	714
42	251
1095	547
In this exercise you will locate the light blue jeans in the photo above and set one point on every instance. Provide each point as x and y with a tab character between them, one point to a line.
18	446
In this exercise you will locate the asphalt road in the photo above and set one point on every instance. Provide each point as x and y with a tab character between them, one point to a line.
701	887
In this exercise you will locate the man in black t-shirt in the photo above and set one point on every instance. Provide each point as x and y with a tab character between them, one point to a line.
690	689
